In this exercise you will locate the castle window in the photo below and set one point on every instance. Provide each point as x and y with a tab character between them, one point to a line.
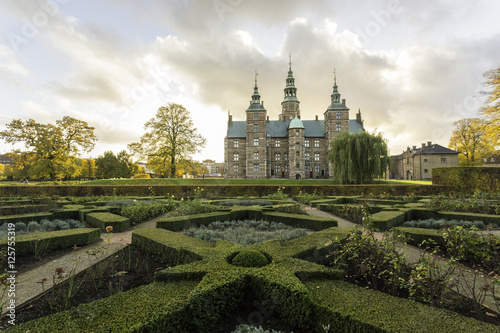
443	159
426	160
426	171
316	168
278	156
235	168
307	156
256	167
306	143
316	143
286	168
236	143
255	127
298	165
339	127
255	116
338	115
308	168
286	156
277	143
256	141
278	168
316	156
236	157
297	132
297	153
255	155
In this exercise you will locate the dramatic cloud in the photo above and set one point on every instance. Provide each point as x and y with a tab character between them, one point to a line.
411	67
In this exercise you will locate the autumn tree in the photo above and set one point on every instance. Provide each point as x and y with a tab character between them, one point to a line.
170	138
491	110
51	147
358	157
470	138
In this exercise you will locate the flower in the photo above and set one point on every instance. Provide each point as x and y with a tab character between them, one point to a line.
109	228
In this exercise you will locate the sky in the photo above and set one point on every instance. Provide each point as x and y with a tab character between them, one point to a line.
411	67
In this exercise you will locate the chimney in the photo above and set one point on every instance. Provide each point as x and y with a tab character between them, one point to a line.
316	117
343	101
230	118
423	145
262	103
414	147
267	118
298	116
429	143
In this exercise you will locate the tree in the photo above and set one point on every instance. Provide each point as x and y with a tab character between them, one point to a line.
52	146
170	137
491	110
358	157
111	166
471	140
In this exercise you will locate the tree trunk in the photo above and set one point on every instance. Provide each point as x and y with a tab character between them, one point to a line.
172	168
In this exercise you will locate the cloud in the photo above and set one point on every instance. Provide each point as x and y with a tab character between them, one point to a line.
11	71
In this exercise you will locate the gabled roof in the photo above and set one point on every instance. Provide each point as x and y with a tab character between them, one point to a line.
433	149
355	126
237	129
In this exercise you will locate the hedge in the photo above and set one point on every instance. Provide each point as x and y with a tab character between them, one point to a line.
168	245
42	242
350	308
424	214
300	221
23	209
103	220
82	213
387	219
25	218
214	191
468	179
182	222
415	236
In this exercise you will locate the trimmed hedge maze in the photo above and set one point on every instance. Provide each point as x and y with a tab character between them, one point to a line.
212	282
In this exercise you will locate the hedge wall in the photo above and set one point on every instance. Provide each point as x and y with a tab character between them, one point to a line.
25	218
177	223
42	242
468	179
386	219
415	236
103	220
300	221
213	191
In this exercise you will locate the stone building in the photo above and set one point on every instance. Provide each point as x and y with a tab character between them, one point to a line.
214	168
492	160
288	147
417	163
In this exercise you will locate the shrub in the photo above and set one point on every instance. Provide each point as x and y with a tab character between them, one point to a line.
190	207
250	258
141	176
306	198
139	211
36	243
442	223
103	220
468	179
33	227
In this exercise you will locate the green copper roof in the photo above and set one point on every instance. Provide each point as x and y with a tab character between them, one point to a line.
296	123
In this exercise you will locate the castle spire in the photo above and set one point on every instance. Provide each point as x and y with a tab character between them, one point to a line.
256	96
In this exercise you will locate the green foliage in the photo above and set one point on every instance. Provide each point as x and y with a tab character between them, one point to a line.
104	220
29	243
301	221
138	211
110	165
280	195
252	329
42	226
52	148
468	179
442	223
358	158
249	258
306	198
196	206
245	232
478	203
170	139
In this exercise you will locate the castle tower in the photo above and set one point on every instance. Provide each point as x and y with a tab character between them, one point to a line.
256	161
296	148
290	104
336	115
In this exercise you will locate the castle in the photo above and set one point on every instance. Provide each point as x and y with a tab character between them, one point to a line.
289	147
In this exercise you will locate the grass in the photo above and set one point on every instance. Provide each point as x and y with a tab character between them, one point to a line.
212	181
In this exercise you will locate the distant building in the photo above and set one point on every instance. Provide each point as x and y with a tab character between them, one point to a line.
214	168
288	147
417	163
493	160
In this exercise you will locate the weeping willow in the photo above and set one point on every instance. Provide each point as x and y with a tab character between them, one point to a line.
358	158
